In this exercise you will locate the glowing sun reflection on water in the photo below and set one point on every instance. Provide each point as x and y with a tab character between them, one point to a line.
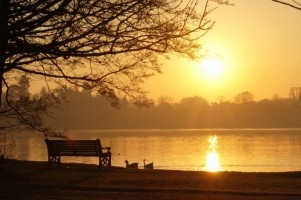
212	158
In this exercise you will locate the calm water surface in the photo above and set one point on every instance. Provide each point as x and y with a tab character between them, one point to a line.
234	150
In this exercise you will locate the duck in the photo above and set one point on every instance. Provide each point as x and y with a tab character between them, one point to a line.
132	165
148	166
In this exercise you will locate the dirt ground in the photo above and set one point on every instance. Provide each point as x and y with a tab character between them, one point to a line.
33	180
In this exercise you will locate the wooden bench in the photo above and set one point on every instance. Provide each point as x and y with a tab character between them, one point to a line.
86	148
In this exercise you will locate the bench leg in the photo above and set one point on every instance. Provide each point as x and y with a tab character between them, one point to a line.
54	160
105	162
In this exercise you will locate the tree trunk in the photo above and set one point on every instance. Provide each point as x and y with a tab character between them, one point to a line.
4	35
1	78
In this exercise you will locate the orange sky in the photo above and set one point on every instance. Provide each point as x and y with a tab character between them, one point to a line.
260	45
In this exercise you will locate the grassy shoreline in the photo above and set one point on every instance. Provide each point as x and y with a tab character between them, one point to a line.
33	180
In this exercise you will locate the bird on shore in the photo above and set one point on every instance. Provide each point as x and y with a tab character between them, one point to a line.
131	166
148	166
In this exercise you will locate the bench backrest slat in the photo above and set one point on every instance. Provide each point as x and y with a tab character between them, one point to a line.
74	147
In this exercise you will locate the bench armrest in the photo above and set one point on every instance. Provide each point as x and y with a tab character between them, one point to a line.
107	148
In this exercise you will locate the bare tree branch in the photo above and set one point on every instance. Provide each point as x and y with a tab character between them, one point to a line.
294	4
110	47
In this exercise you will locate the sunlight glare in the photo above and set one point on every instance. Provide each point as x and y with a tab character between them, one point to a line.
212	158
212	67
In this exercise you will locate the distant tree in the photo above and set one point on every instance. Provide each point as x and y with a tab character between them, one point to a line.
193	102
165	100
109	47
23	111
244	97
292	3
193	106
295	93
276	97
221	99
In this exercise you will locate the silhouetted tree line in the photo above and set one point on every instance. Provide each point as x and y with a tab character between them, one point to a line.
85	111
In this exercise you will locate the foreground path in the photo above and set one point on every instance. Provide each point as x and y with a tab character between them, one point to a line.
32	180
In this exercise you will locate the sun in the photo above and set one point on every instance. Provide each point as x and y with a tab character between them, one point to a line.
212	67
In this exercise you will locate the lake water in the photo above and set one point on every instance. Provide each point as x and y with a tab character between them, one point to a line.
227	150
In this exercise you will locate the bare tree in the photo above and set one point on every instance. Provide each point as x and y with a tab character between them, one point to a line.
292	3
295	93
244	97
108	47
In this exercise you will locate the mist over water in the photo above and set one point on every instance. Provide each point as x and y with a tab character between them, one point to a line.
251	150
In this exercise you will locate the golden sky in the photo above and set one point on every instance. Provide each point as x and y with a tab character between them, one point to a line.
259	44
